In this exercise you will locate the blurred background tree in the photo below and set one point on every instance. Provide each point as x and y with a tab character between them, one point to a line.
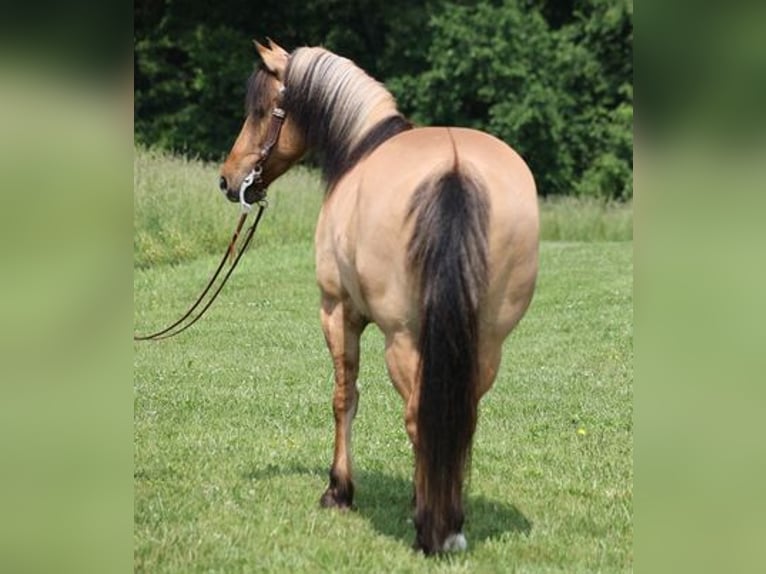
554	79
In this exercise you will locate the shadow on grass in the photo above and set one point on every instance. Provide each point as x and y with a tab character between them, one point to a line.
386	502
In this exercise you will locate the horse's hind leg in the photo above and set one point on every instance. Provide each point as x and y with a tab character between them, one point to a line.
402	362
342	328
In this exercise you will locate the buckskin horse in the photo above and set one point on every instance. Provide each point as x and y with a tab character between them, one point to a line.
431	233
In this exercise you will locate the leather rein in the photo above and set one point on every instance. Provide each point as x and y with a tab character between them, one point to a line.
254	179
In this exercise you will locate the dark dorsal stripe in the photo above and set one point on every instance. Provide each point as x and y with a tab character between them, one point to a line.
380	133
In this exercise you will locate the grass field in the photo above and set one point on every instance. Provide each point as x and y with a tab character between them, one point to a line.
233	423
179	214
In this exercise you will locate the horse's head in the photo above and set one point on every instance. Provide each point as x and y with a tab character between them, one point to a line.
267	143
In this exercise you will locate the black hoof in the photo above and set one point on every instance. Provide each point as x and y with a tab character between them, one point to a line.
419	548
331	499
340	494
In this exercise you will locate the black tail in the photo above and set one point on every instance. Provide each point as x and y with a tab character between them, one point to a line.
448	251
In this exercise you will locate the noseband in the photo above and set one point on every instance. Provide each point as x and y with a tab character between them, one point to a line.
255	177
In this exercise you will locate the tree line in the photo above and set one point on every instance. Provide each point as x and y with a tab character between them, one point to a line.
554	79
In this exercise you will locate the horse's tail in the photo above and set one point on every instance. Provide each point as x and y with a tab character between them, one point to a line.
448	251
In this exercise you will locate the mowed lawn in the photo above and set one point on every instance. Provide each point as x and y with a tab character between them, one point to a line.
234	428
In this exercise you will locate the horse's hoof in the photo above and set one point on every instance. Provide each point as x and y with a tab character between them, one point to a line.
331	499
455	543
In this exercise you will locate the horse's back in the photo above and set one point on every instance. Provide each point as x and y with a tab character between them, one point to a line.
367	224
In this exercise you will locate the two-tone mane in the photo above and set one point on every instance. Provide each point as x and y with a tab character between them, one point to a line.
343	113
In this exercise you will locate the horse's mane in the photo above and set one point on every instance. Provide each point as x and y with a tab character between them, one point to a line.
331	101
258	96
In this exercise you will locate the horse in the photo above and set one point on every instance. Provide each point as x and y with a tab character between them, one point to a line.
431	233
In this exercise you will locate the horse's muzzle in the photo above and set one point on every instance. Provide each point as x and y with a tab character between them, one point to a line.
232	195
252	195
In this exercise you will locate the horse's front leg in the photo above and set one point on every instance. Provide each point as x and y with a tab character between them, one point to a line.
342	328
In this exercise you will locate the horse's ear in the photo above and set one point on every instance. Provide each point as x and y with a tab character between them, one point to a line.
275	60
277	47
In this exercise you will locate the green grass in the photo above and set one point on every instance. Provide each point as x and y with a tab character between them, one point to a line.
233	423
585	219
180	214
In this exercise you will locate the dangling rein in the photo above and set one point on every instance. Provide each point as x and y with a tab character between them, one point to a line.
179	326
254	177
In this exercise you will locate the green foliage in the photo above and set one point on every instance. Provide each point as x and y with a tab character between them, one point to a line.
188	92
500	68
554	80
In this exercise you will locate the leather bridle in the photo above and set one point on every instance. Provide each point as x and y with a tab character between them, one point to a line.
255	177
